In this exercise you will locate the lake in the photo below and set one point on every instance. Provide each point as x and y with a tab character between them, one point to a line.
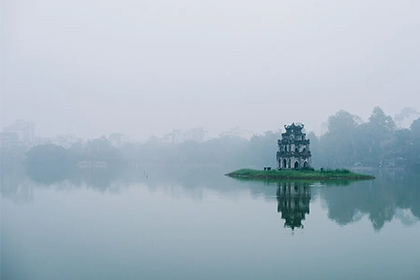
196	223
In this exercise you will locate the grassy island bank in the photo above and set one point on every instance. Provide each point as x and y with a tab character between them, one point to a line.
337	174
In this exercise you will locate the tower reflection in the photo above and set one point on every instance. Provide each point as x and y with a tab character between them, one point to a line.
293	202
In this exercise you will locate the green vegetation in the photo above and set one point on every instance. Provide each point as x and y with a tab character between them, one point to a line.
377	142
328	174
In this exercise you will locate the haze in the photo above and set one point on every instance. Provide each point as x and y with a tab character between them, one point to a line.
147	67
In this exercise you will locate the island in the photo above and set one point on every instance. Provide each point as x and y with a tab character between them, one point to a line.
310	174
294	162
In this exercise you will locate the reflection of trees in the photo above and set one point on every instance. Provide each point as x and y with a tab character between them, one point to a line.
100	178
177	180
14	184
47	174
293	202
48	164
379	200
18	183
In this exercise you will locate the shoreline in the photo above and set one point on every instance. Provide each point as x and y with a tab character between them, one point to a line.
339	175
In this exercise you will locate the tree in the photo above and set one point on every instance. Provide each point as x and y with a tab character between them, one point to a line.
414	150
262	149
48	163
342	123
101	149
377	132
381	125
415	127
337	146
48	154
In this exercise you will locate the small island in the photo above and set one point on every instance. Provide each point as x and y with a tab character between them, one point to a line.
294	162
322	175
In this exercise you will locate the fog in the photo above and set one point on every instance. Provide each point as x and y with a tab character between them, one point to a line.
144	68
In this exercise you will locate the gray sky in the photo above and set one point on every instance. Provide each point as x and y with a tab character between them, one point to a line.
147	67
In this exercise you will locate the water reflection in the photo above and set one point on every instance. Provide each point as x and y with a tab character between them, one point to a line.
293	202
381	200
14	184
100	178
393	195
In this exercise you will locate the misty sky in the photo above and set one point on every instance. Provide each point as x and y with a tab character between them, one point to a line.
147	67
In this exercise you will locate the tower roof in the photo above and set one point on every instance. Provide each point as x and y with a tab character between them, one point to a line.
293	126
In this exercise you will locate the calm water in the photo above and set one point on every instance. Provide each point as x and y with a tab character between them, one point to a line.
199	224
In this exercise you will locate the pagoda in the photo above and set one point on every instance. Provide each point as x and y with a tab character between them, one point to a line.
294	150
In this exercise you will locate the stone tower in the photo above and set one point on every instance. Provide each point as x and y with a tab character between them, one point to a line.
294	151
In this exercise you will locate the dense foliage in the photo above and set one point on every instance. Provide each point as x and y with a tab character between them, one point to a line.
375	143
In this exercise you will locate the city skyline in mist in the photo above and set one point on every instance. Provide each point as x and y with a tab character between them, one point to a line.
145	68
403	120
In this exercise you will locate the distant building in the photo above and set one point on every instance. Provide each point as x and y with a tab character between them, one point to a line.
9	140
19	133
294	150
293	203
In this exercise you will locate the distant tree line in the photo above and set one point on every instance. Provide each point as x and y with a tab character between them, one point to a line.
96	150
375	143
348	142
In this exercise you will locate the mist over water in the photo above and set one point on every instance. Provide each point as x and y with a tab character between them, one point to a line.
110	207
196	223
119	120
